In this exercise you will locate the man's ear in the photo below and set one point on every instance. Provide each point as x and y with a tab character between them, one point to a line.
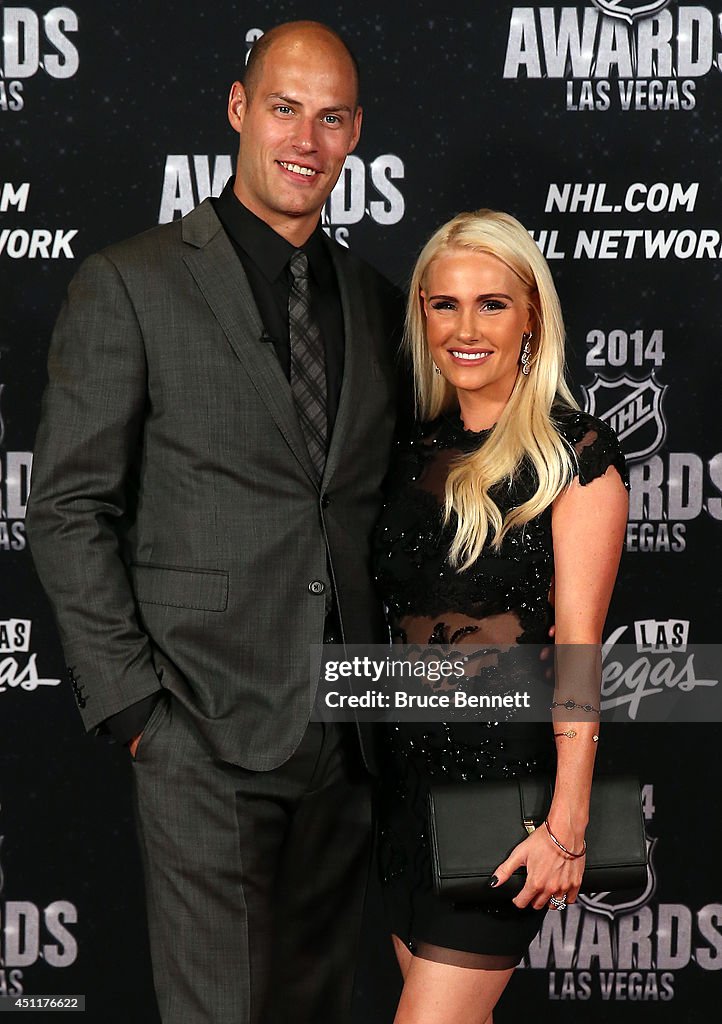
356	134
237	106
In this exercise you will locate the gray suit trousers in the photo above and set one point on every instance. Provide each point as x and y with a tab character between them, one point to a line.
254	880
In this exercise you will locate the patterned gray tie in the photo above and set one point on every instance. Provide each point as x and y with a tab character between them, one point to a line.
308	363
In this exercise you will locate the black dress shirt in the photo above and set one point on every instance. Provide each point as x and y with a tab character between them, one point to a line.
265	256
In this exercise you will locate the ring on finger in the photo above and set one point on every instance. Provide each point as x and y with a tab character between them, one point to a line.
558	902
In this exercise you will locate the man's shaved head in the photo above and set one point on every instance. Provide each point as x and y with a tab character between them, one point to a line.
298	117
284	33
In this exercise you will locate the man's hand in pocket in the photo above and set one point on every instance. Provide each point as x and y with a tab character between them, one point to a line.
133	744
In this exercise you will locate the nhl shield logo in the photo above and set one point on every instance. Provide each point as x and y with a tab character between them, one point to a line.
633	409
630	10
609	904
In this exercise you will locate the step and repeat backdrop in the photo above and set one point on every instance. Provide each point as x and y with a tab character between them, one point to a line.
598	124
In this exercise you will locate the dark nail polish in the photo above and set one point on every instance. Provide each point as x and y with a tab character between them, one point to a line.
493	881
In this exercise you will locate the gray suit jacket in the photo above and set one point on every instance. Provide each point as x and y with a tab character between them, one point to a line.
174	518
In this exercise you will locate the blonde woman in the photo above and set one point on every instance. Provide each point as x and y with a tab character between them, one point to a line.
503	493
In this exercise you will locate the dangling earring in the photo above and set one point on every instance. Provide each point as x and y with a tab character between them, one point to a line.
437	370
526	353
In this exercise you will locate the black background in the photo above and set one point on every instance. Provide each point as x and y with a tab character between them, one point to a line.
153	82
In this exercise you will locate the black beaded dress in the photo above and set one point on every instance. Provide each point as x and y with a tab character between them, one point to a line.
502	598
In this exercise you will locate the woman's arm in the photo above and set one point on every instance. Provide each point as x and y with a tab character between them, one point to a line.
588	525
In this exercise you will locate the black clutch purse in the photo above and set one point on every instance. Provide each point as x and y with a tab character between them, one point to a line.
474	826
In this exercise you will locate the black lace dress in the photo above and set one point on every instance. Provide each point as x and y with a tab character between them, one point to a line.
503	598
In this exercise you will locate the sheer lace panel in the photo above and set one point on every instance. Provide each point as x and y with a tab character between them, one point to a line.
434	475
454	627
596	450
462	958
589	438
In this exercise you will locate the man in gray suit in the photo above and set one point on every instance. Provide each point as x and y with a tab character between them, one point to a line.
213	439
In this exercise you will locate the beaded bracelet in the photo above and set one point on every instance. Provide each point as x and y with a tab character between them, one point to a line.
563	848
571	704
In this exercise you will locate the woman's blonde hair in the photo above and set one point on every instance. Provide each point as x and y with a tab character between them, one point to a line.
525	428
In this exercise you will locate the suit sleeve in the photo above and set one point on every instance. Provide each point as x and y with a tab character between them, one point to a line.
84	489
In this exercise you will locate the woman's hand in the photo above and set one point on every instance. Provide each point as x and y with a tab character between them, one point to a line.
549	872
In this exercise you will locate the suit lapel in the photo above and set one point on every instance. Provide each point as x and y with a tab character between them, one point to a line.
219	274
356	360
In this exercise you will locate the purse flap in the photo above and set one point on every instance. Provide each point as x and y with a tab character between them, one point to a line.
477	825
615	834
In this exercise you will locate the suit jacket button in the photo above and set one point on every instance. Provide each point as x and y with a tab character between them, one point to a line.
316	587
325	501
